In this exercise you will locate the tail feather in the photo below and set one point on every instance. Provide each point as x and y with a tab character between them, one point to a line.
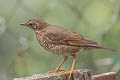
103	47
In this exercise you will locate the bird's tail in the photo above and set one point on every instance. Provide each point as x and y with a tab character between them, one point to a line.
103	47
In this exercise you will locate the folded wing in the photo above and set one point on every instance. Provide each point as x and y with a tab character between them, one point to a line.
65	37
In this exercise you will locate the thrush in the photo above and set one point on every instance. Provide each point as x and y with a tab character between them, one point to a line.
60	41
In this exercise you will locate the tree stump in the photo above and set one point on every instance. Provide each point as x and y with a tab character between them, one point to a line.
82	74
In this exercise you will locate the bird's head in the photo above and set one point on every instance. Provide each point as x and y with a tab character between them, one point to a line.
35	23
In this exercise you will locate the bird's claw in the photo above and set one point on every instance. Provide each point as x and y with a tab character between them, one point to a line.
69	72
57	70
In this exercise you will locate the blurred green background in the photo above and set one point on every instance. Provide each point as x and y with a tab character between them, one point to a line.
20	53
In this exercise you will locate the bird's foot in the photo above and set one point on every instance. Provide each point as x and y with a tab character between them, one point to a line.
69	72
57	70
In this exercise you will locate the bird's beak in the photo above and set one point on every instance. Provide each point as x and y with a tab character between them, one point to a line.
22	24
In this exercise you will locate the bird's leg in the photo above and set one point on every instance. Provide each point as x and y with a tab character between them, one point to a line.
58	68
72	68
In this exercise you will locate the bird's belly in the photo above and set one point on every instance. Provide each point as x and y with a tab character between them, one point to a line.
63	50
59	49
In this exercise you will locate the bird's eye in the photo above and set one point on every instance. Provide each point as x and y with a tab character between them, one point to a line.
30	24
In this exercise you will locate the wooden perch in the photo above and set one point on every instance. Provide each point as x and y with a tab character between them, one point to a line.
105	76
82	74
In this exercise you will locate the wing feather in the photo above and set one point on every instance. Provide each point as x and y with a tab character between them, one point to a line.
68	38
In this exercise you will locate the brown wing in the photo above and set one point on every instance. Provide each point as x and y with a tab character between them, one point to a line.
66	37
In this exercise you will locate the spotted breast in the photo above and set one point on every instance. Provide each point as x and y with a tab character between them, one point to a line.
55	48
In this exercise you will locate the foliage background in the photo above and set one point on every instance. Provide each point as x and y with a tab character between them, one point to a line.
20	53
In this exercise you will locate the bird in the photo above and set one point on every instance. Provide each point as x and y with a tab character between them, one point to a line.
60	41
